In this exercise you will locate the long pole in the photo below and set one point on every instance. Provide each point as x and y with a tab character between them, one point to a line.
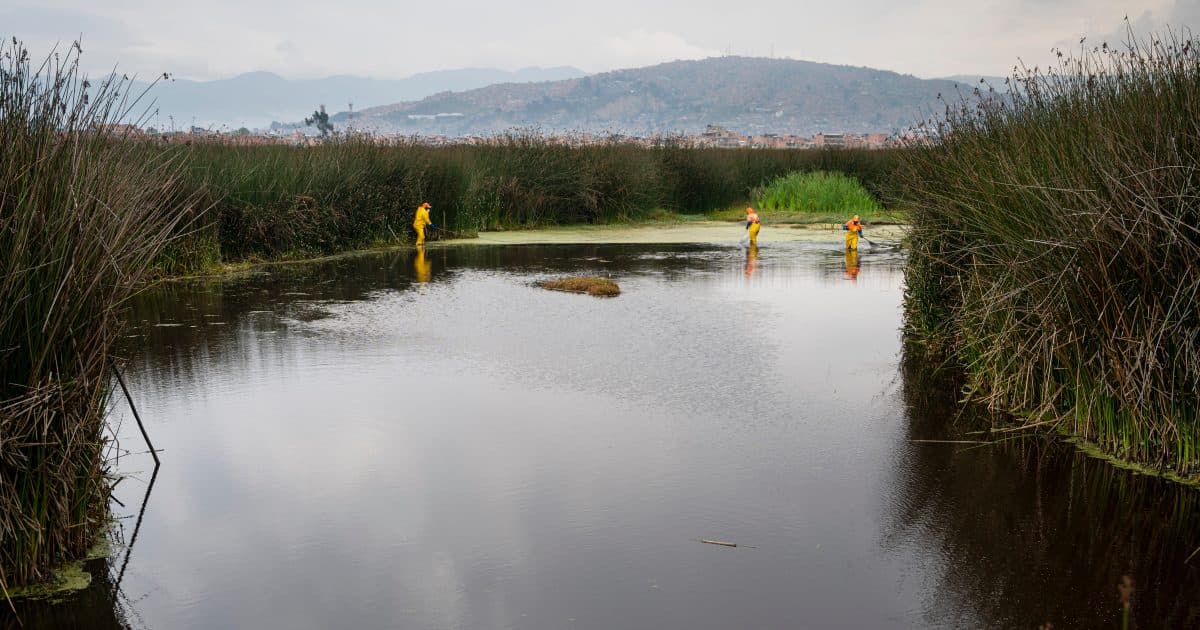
129	398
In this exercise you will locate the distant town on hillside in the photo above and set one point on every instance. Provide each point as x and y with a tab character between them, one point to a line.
758	96
714	136
720	101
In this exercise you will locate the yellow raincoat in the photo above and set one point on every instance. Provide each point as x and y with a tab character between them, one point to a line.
754	227
853	228
420	221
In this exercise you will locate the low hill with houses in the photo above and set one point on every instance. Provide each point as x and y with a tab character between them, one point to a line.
752	95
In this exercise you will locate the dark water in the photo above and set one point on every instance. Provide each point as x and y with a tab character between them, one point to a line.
385	442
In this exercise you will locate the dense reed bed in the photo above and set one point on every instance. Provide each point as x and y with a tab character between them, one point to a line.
82	217
1056	254
278	201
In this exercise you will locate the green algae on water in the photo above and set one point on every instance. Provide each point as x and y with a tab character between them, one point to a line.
66	579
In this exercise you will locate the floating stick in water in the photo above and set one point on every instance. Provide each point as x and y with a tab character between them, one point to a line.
724	543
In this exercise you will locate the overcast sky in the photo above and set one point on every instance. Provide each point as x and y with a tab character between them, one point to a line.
388	39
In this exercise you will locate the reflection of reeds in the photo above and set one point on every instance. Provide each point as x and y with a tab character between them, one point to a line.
1125	591
82	215
1056	249
1036	531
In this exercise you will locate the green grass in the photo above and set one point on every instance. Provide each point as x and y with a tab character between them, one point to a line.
1055	253
817	192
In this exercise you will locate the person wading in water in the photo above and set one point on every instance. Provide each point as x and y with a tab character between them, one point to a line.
753	225
421	220
853	229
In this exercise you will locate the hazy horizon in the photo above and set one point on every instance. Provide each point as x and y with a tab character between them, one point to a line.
376	40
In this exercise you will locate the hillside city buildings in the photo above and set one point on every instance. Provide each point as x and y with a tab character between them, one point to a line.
714	136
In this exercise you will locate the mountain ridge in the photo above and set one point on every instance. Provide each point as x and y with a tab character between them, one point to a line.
255	99
749	94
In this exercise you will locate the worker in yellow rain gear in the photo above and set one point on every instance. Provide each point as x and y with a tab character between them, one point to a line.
753	225
853	229
421	220
422	267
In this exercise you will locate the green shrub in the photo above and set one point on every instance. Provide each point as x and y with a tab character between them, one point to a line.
818	192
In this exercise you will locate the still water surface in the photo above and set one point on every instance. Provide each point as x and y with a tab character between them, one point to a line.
388	441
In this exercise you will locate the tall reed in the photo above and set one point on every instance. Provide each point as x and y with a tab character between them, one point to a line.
82	216
1056	253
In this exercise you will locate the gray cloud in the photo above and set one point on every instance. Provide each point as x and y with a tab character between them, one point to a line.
1185	12
54	24
1176	15
220	38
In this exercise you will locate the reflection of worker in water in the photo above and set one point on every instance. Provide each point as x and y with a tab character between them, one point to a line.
420	220
422	267
751	259
852	264
853	229
753	226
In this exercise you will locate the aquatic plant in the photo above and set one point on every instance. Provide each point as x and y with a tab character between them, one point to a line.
82	216
1055	247
599	287
817	192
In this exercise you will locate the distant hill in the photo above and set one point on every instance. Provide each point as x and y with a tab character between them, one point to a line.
749	95
256	99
